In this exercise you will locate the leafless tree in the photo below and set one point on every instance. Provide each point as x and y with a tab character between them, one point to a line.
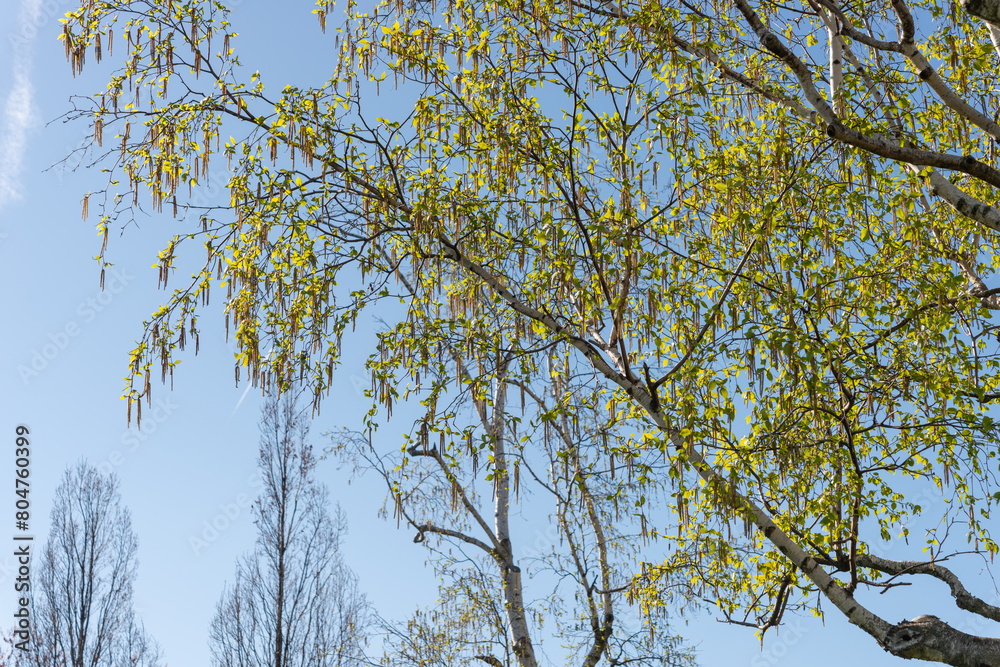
82	601
294	603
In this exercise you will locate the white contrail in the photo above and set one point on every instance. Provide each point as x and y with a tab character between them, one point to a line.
240	402
19	114
246	391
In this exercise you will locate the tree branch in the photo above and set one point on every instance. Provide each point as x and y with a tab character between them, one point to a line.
963	599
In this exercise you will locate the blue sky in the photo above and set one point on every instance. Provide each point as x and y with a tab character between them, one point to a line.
65	347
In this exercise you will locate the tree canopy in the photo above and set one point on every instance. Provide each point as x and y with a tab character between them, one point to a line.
757	238
82	601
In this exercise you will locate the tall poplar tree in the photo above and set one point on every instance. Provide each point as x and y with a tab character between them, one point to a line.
294	602
81	585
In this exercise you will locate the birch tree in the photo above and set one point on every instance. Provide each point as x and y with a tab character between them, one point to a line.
478	498
767	227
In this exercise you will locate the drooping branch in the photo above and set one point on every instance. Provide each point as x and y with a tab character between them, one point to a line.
940	186
466	501
448	532
921	163
960	201
963	598
836	129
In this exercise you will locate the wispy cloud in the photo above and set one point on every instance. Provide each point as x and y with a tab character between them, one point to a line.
19	115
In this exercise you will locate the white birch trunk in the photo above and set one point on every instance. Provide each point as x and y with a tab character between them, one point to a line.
511	573
836	68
